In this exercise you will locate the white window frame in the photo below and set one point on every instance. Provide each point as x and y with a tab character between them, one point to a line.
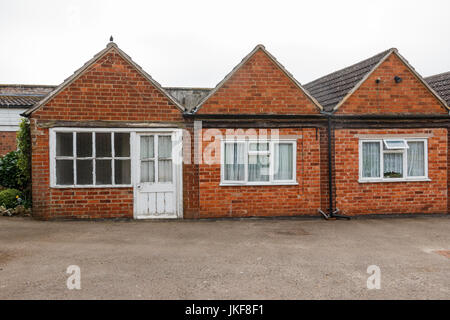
389	147
74	157
403	151
248	152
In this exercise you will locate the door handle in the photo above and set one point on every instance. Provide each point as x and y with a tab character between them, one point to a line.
139	186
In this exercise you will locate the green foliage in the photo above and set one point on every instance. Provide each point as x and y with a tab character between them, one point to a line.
9	170
10	198
15	166
24	155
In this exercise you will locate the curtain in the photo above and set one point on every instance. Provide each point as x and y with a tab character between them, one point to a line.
371	159
234	161
165	170
147	147
416	161
165	147
393	165
258	168
164	155
283	161
148	171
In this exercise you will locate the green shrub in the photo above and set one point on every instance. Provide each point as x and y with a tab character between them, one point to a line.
24	155
24	161
9	198
15	166
9	170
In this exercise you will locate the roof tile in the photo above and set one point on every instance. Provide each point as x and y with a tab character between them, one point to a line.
441	84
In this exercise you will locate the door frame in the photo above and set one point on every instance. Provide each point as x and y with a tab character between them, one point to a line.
177	158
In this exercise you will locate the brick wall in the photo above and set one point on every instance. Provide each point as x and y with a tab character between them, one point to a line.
190	175
354	198
110	90
448	171
246	201
259	87
7	142
324	170
409	96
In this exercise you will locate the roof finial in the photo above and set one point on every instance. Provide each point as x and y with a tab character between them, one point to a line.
111	39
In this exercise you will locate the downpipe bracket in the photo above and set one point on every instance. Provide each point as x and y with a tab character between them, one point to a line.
334	215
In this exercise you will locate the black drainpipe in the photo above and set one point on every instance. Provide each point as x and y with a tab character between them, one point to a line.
332	214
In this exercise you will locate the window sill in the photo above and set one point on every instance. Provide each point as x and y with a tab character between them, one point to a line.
92	187
395	180
230	184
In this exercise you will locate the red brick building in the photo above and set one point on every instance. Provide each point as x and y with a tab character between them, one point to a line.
110	142
14	100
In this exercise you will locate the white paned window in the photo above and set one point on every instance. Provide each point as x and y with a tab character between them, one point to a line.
91	158
253	162
393	160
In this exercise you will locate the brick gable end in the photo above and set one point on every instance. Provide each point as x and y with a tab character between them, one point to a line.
259	87
110	90
410	96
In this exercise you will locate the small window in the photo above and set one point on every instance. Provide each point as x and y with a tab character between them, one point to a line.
122	144
256	162
64	172
92	158
284	166
371	159
64	144
234	161
84	144
393	159
393	165
416	159
395	144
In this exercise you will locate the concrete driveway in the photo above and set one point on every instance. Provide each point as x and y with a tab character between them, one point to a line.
247	259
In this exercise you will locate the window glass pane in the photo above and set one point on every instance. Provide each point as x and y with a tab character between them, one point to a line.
147	147
84	144
234	161
148	171
64	144
258	168
121	144
164	147
64	172
103	144
122	171
165	170
371	160
103	172
84	172
283	166
394	144
393	165
416	159
259	146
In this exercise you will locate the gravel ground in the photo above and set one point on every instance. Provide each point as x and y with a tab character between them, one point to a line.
225	259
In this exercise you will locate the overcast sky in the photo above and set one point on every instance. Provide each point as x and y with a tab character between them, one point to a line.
196	43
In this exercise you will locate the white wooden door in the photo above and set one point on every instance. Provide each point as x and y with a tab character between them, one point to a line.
157	175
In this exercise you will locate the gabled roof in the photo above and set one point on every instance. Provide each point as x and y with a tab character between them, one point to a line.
244	60
329	90
22	95
334	89
111	46
441	84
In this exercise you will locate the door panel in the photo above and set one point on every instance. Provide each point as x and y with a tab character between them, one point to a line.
156	188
